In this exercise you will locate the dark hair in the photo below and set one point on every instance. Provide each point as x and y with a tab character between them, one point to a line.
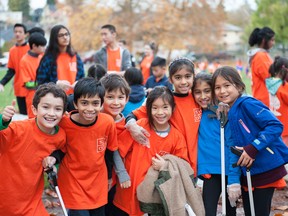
279	68
133	76
97	71
202	76
38	39
231	75
110	27
180	63
123	41
158	61
88	87
20	25
52	88
158	92
152	46
53	46
36	29
257	36
113	82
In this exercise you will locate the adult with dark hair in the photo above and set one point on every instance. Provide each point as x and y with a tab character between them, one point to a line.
15	54
260	61
137	96
60	63
111	56
145	64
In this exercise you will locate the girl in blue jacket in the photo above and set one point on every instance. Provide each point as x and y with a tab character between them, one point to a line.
209	152
257	132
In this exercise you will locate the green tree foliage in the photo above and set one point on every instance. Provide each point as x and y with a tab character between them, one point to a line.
272	13
20	5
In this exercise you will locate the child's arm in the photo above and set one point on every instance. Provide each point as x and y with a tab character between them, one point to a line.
121	172
138	133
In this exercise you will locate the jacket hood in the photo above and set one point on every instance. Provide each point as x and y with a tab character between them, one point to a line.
137	93
253	51
273	84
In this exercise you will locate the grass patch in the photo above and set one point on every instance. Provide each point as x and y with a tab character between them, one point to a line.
7	96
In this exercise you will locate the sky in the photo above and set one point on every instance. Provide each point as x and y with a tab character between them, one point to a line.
229	4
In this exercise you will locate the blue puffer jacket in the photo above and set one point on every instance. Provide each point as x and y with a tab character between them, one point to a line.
251	122
209	149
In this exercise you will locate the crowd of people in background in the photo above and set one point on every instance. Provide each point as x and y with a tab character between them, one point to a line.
138	136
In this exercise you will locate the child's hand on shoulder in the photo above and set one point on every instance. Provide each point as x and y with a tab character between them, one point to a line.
158	162
9	112
126	184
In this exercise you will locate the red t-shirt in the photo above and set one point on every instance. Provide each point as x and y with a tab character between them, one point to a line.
23	146
82	176
15	55
186	118
260	71
113	60
140	160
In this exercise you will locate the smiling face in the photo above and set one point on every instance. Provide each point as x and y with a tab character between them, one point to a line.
182	81
88	109
48	112
225	91
161	112
202	93
114	103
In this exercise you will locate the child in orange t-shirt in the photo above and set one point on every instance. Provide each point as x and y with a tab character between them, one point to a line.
23	145
15	54
28	67
278	92
116	96
164	139
82	176
187	115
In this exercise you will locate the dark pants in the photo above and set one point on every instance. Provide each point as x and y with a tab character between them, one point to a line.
262	201
118	212
92	212
211	193
21	105
109	205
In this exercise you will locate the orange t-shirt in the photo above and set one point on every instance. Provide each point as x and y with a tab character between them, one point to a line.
28	68
23	146
140	160
67	68
282	95
260	71
15	55
82	176
113	60
186	118
145	67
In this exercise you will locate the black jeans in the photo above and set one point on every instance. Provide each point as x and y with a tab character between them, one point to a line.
92	212
22	105
262	201
211	193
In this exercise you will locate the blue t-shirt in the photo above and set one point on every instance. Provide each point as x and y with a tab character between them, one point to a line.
151	82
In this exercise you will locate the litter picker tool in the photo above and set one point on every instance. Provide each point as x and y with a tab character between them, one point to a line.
238	152
52	176
223	121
